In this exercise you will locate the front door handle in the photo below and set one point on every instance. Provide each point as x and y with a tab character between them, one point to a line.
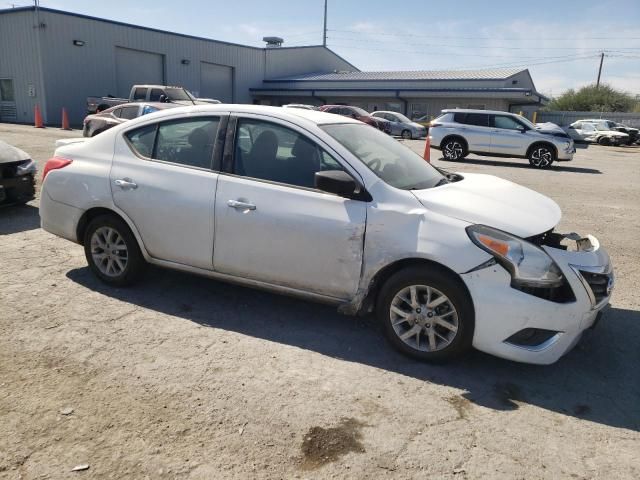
126	183
241	205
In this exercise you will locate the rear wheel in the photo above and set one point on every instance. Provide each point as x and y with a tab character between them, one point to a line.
454	149
112	251
541	156
426	314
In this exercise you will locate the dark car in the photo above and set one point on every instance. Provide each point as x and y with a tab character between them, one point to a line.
99	122
17	175
359	114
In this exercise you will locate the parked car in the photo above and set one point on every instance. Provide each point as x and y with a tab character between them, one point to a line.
449	261
300	105
499	134
601	124
99	122
401	125
17	175
358	114
148	93
583	131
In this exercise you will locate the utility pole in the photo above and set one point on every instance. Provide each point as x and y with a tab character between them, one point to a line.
324	31
600	70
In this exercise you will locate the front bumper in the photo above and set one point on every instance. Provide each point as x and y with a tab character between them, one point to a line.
19	189
502	311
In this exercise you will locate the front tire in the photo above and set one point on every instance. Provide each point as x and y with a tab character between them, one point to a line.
406	134
541	156
112	251
426	314
604	141
453	149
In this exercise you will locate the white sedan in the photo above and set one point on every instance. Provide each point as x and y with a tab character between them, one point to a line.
321	206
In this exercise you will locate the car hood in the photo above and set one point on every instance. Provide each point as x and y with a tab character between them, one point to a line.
417	125
492	201
9	153
548	127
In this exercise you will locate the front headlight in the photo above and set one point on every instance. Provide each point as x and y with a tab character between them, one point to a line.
26	168
528	264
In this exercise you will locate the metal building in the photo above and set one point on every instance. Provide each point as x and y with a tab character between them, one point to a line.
415	93
56	59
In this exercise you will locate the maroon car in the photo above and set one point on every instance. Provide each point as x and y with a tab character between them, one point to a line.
99	122
359	114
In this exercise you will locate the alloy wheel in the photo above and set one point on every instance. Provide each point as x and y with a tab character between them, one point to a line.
424	318
453	150
541	157
109	251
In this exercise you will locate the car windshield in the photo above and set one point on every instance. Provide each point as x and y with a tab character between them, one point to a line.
179	94
391	161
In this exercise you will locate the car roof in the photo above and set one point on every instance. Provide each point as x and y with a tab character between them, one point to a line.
470	110
293	114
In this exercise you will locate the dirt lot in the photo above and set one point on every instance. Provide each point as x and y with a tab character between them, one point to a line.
185	377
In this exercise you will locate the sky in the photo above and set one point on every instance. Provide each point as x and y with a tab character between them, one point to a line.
559	41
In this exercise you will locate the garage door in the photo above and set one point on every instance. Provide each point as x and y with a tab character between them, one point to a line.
137	67
216	81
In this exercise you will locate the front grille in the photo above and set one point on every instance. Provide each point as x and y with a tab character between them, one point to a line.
10	169
548	238
599	284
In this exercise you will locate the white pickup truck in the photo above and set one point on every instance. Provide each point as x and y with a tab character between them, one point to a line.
148	93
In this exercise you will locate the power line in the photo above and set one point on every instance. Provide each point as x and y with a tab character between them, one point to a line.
457	37
486	47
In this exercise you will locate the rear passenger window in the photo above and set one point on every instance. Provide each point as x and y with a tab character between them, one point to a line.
478	119
185	142
129	112
272	152
141	140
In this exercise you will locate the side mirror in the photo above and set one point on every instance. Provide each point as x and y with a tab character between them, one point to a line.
340	183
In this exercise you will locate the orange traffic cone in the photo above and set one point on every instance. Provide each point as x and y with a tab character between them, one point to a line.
38	115
65	120
427	150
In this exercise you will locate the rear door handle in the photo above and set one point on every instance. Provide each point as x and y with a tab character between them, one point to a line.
126	183
240	205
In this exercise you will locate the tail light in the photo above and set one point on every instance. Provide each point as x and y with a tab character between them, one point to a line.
54	163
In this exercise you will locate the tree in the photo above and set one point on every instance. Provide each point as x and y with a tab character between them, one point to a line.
594	99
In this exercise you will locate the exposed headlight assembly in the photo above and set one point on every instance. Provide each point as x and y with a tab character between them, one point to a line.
26	168
528	264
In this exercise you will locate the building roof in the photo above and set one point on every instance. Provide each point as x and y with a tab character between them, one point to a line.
483	74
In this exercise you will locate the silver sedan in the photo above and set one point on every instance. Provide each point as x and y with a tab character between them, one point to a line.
401	125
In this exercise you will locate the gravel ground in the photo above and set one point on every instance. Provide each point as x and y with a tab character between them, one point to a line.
185	377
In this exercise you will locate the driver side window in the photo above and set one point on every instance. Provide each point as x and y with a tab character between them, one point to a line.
507	123
269	151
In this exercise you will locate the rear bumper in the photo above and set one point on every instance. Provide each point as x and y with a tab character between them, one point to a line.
59	218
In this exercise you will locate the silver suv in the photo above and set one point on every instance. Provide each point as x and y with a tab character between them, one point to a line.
499	134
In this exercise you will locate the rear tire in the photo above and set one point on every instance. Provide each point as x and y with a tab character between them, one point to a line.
454	149
112	251
426	314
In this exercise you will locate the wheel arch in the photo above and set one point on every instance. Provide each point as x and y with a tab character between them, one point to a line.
94	212
386	272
